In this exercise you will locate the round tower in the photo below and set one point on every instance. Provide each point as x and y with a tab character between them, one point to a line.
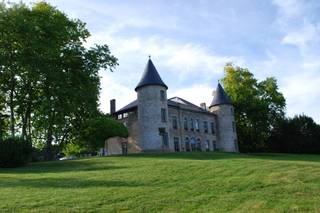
221	105
152	111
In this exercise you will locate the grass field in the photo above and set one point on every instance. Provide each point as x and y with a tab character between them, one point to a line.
177	182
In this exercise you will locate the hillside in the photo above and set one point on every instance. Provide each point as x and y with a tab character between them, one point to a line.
177	182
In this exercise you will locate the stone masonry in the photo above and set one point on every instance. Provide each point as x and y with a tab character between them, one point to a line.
158	124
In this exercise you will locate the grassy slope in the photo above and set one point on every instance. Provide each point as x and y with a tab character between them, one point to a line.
184	182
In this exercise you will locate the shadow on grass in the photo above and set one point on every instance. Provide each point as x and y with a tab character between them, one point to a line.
224	155
89	164
68	183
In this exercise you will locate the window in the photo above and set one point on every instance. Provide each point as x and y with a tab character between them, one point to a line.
174	122
197	125
191	124
125	115
233	126
198	144
165	140
187	142
214	145
120	116
176	144
212	127
205	126
193	144
207	146
163	115
185	124
162	95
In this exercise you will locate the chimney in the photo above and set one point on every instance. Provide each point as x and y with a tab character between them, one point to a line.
203	106
112	106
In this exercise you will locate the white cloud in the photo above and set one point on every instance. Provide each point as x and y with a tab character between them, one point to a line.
289	8
180	58
302	94
110	89
304	36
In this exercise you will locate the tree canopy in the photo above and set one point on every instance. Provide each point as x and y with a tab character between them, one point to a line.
258	106
100	128
49	80
299	134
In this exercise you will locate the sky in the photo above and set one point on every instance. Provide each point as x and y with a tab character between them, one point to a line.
190	42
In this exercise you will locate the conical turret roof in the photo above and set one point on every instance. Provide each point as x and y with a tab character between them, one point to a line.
150	77
220	97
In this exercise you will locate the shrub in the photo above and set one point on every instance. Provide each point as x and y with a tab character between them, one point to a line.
15	152
73	149
101	128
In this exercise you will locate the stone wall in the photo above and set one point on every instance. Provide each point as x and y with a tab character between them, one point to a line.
149	118
182	134
131	122
227	134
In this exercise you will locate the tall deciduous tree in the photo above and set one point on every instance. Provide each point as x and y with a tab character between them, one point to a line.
258	106
51	80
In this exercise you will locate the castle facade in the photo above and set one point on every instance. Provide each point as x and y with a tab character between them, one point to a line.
158	124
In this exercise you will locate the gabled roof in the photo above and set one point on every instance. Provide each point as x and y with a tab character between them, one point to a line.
172	102
128	107
150	77
220	97
180	102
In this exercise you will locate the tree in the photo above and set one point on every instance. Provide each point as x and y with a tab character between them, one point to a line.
52	81
98	130
258	106
299	134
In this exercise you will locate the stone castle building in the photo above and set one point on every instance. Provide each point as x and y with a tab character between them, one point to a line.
156	123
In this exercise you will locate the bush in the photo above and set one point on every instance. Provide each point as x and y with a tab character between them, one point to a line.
101	128
73	149
15	152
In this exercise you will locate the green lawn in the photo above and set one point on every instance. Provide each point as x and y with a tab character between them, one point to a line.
177	182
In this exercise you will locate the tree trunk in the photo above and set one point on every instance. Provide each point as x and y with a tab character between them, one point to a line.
24	126
29	126
25	122
12	119
48	154
1	128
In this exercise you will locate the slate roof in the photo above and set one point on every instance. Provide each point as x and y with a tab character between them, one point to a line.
172	102
150	77
128	107
220	97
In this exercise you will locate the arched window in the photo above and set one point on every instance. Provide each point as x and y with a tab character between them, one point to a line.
214	145
187	144
207	146
193	144
176	144
199	144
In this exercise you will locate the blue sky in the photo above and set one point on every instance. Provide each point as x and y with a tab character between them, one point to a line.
190	41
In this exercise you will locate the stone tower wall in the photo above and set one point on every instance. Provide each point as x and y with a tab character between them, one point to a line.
149	118
227	134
